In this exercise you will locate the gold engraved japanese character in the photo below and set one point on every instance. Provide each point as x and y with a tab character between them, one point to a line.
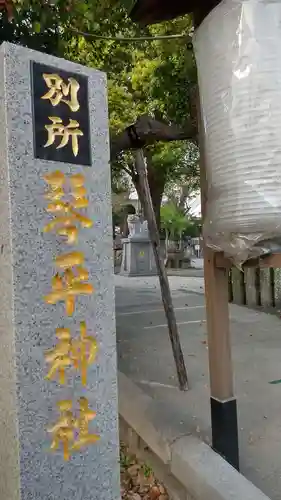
58	89
63	430
71	283
70	432
67	216
82	424
79	353
66	132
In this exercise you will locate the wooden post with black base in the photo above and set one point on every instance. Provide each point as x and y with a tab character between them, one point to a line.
224	429
223	401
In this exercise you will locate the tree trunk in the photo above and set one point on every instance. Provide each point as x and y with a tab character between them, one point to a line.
156	187
180	242
156	192
156	181
166	246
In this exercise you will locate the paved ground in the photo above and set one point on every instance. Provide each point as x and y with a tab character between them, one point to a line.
197	263
145	355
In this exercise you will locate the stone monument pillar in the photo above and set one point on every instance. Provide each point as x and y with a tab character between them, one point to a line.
58	393
137	257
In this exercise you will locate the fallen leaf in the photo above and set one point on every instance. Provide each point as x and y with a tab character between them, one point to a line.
251	438
135	496
273	382
142	480
154	492
133	470
135	483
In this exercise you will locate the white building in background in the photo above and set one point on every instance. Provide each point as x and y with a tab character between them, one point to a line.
194	203
134	200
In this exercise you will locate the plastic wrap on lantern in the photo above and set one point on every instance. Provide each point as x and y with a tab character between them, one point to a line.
238	53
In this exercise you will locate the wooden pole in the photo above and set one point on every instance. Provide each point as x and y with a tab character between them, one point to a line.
146	201
223	402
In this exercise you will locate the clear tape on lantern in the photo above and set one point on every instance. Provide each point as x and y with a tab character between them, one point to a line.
238	53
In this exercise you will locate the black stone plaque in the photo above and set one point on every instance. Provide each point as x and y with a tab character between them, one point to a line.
63	96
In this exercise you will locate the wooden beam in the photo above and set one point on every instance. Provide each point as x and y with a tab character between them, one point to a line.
223	402
146	201
156	11
274	260
222	262
216	294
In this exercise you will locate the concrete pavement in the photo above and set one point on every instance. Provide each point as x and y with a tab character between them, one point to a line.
145	356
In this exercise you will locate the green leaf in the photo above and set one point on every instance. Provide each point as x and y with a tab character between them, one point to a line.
37	27
274	382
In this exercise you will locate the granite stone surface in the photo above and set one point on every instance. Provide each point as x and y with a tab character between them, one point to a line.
27	323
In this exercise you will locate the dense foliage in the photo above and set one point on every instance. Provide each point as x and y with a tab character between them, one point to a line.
147	76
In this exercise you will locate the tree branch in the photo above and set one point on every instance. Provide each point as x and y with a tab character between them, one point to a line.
146	130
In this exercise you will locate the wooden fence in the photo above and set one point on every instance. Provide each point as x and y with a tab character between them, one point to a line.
256	287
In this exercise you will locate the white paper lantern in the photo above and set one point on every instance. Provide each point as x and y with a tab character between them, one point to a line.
238	53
